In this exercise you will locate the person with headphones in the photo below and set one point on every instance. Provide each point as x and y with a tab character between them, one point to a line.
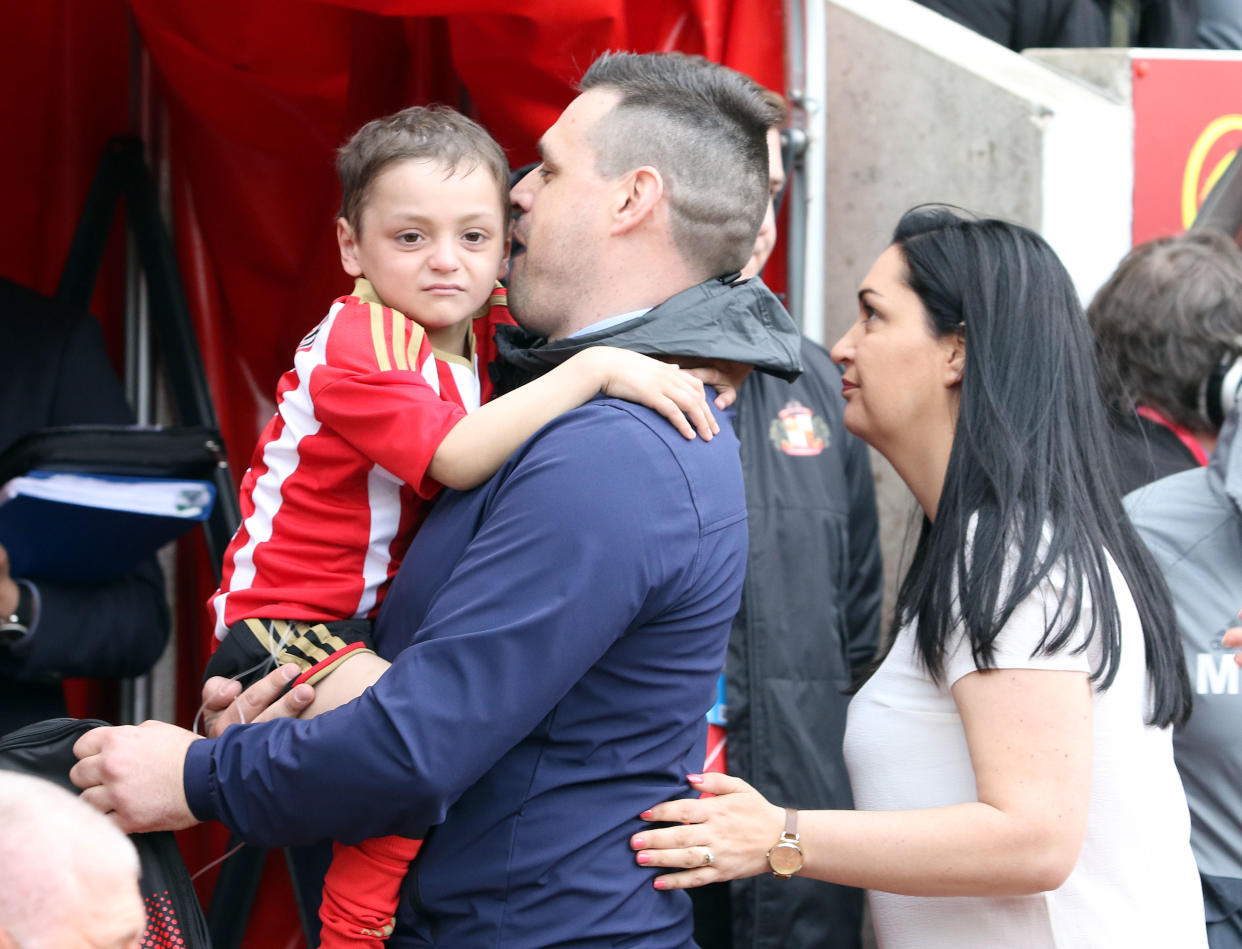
1192	520
1192	523
1168	332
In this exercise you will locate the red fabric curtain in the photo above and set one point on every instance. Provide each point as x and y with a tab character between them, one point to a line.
257	97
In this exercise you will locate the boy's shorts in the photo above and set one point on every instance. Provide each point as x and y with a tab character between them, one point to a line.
254	647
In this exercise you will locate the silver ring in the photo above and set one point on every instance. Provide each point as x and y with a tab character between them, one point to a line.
708	859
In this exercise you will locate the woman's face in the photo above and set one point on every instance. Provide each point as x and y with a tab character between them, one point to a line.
900	382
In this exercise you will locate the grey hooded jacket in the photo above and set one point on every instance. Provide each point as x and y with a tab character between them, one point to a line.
1192	522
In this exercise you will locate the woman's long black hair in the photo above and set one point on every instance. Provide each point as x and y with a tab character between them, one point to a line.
1031	484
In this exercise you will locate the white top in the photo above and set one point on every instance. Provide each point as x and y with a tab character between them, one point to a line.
1135	884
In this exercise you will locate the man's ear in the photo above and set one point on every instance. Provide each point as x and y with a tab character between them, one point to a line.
347	241
638	193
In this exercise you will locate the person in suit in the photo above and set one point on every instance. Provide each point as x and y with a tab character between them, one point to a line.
57	373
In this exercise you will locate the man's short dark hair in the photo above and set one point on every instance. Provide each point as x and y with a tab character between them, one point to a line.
1168	314
703	126
423	133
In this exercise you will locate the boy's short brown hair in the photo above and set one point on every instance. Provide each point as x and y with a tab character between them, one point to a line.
425	133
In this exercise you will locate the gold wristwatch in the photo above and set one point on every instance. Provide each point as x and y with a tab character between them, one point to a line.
785	857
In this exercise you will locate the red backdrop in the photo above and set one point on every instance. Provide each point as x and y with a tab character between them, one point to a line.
251	101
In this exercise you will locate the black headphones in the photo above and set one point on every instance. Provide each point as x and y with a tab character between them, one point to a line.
1221	391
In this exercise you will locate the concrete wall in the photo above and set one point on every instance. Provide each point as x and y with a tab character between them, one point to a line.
920	109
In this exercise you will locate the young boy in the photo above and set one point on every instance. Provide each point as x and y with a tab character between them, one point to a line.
372	420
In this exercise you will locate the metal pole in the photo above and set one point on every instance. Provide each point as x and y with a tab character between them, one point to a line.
811	97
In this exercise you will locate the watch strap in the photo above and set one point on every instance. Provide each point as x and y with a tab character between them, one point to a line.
791	826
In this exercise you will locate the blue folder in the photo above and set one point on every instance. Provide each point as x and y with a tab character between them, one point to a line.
94	528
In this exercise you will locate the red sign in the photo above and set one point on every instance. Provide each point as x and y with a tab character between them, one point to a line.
1187	128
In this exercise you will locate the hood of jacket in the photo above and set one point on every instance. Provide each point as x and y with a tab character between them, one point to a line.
1225	468
741	321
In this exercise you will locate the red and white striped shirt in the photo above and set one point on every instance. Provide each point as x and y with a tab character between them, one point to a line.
338	483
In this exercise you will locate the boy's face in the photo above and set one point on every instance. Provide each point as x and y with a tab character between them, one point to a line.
432	243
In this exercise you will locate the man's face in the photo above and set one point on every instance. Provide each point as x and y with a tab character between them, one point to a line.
766	240
561	227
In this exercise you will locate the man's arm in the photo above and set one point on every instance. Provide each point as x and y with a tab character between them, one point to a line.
109	629
92	629
588	522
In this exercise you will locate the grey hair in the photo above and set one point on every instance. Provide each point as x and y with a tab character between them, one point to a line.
1168	314
704	127
52	847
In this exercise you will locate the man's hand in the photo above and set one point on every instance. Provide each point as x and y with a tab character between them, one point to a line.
225	704
134	775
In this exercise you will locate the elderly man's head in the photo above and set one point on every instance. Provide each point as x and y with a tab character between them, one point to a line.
68	876
657	173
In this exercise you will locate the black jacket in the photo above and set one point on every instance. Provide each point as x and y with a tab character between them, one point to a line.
741	321
57	373
811	600
810	615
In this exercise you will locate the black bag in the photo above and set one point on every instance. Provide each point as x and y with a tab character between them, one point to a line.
140	450
174	917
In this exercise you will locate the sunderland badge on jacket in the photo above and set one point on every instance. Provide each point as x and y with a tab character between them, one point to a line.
797	430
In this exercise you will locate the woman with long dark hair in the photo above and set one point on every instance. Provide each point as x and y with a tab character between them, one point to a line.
1011	756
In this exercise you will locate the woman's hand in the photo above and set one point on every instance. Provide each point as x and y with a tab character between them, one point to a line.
719	838
674	393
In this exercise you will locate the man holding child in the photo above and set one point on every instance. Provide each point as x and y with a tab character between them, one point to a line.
558	644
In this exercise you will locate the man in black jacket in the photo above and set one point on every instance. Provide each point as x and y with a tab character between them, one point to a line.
57	373
810	617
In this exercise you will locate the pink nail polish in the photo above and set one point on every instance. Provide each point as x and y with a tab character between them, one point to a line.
646	815
643	858
695	778
638	843
660	885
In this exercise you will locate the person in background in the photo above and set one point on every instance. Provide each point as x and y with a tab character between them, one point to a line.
1023	24
1167	322
1035	674
1192	523
68	876
58	374
810	619
1027	24
1220	24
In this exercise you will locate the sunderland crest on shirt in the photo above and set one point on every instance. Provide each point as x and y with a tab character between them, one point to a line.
797	430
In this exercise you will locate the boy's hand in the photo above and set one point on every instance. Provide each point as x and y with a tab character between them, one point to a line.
724	376
674	393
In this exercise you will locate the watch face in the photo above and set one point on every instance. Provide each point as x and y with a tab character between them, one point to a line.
785	858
